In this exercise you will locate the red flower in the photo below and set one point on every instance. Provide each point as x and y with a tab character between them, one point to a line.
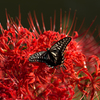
23	80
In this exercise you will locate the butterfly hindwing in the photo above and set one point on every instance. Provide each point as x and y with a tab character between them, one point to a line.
43	56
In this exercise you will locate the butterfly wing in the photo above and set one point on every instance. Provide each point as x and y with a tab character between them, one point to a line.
53	56
58	48
43	56
61	44
39	56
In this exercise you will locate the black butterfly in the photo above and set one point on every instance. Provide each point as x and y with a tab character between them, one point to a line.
53	56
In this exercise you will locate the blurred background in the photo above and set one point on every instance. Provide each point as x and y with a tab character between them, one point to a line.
85	8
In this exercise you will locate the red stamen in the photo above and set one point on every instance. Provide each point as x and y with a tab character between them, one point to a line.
51	23
81	25
54	20
67	20
32	25
43	22
74	27
60	21
86	40
19	18
86	31
37	23
72	23
64	22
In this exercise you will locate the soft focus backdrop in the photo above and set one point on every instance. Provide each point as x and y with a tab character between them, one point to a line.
85	8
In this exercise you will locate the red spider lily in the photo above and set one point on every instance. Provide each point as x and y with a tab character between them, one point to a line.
23	80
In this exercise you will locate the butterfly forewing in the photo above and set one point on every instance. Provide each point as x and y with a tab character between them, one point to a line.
60	46
39	56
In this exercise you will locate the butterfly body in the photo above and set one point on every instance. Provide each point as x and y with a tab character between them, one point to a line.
53	56
55	60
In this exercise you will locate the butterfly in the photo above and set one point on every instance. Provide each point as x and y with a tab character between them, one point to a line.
53	56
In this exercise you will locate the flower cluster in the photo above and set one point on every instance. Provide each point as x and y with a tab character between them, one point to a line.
23	80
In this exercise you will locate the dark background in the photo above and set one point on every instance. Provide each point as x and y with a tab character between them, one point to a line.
85	8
